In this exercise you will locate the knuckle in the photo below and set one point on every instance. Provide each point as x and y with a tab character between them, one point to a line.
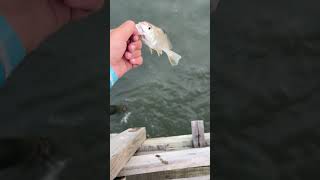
130	22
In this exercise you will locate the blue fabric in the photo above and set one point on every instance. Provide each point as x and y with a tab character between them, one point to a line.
12	52
2	76
113	77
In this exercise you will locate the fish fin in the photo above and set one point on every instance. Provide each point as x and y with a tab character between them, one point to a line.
150	50
159	52
164	31
173	57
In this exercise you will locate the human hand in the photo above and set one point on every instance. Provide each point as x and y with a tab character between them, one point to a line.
35	20
125	48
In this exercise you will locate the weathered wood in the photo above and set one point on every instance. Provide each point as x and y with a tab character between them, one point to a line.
195	178
167	161
113	135
173	174
198	138
173	143
123	146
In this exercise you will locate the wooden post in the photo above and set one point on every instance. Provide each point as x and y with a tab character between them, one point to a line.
123	146
198	138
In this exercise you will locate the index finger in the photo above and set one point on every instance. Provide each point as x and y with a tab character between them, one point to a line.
136	32
125	30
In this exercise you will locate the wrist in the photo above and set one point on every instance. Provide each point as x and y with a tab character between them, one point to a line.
33	23
118	69
30	33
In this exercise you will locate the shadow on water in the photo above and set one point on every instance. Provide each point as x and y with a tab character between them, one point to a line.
162	98
59	92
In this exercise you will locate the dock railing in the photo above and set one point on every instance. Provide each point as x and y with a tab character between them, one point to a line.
133	156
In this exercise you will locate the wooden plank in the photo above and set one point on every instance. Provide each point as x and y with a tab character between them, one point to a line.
195	178
198	138
173	174
166	161
123	146
113	135
173	143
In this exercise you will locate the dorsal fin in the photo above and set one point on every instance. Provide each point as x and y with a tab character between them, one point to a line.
164	31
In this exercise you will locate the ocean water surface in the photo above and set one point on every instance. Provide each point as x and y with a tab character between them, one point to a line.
162	98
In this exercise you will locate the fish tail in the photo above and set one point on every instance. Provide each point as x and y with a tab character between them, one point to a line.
173	57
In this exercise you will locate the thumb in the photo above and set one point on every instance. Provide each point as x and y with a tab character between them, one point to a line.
125	30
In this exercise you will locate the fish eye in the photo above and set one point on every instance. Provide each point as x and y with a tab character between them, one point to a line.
149	28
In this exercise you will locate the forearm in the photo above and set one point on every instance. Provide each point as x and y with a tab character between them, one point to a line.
33	21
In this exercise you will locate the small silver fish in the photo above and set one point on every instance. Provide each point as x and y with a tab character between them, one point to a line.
156	39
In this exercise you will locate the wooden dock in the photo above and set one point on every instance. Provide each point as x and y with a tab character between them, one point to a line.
184	157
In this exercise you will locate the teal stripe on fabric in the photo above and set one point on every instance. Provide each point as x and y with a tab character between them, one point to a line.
113	77
12	46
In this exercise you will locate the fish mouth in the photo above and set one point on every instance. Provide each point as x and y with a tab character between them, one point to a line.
140	29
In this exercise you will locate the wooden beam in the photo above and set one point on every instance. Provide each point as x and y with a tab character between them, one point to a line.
195	178
173	174
123	146
113	135
198	138
166	161
173	143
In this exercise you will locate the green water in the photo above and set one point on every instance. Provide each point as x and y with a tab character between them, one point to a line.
162	98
